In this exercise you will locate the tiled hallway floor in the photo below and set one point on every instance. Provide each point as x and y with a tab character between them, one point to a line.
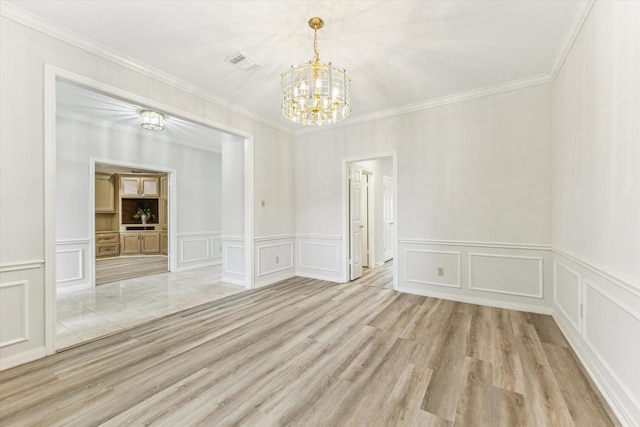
88	314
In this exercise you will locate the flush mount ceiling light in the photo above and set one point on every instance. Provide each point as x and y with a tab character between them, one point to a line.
315	93
152	120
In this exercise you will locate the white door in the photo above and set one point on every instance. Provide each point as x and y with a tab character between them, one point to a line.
365	219
355	221
387	217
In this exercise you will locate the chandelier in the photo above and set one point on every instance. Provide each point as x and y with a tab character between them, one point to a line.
152	120
315	93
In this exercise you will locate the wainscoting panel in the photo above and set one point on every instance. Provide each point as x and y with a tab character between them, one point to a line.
607	343
274	258
438	268
506	274
566	293
14	312
21	313
233	270
73	265
196	250
500	275
319	257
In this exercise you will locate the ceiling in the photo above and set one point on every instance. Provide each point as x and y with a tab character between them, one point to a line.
400	55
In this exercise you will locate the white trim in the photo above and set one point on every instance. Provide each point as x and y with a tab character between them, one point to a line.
523	246
317	236
260	273
601	271
22	358
335	245
232	238
276	237
25	311
611	398
541	309
24	265
51	74
556	264
51	29
73	242
226	257
344	184
593	348
195	267
233	281
207	255
447	285
80	265
573	29
326	278
197	233
540	275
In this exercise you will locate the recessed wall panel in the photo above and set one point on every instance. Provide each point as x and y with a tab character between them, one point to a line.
514	275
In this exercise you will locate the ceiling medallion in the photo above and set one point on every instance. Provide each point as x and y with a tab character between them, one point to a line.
315	93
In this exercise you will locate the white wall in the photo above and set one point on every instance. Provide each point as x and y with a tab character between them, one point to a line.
198	204
596	201
23	55
474	176
233	268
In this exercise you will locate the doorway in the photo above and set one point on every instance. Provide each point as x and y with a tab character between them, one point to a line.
131	226
369	215
54	78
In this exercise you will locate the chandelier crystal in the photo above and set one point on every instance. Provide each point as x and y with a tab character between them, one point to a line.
315	92
152	120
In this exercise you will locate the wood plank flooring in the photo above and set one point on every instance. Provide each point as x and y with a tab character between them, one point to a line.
305	352
115	269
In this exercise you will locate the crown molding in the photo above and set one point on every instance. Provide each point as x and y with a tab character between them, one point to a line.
573	29
51	29
78	117
438	102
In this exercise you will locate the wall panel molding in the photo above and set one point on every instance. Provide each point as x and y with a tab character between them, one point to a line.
408	267
319	257
10	301
198	249
575	321
540	288
261	253
23	265
525	246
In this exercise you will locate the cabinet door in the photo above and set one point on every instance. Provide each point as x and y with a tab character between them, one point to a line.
129	186
149	187
150	242
164	244
105	193
130	243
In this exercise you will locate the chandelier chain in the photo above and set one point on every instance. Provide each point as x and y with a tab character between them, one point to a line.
315	43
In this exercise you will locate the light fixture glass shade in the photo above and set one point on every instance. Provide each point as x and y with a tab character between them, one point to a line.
315	93
152	120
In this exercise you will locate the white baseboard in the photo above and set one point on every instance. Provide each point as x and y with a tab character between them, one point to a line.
196	266
74	288
233	280
609	396
21	358
480	301
318	277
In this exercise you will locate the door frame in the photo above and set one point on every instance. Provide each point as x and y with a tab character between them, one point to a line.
345	210
51	75
172	209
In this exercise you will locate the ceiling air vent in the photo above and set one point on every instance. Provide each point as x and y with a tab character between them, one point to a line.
241	61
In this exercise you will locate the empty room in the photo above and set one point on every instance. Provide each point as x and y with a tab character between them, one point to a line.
320	213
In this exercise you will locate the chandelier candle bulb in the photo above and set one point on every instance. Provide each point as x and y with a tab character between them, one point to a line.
315	92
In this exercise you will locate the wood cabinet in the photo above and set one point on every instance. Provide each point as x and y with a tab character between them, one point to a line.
164	243
139	186
107	244
105	193
136	243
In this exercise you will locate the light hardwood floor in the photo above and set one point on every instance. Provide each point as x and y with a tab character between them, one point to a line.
114	269
305	352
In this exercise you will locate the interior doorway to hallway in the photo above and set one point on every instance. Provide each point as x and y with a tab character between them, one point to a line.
369	214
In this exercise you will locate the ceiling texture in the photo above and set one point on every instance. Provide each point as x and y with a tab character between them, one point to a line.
401	55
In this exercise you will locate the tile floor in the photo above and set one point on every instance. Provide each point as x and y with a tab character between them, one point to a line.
105	309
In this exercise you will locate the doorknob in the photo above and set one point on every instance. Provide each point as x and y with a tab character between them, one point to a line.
361	226
391	223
